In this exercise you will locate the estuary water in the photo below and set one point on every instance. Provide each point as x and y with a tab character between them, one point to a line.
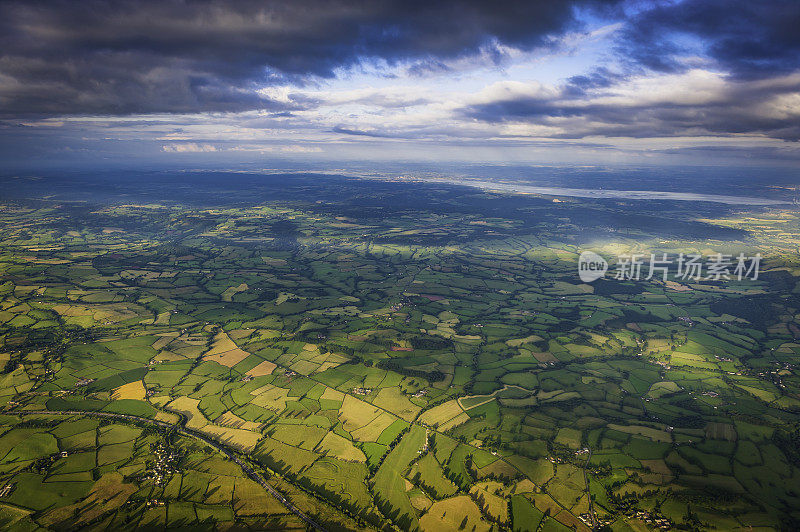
614	194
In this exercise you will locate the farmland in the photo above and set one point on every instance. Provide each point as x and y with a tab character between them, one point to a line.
420	357
67	472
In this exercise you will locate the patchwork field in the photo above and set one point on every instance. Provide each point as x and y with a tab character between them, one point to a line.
422	358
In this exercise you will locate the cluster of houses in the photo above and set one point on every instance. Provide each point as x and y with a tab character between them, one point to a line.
661	522
165	464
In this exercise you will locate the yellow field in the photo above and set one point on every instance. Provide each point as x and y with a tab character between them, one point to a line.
132	390
449	514
364	421
245	440
112	313
519	341
228	294
438	415
241	439
265	368
269	396
546	503
356	413
304	367
224	351
420	502
332	394
492	494
167	417
238	334
524	486
396	402
229	419
163	340
188	407
373	430
326	366
334	445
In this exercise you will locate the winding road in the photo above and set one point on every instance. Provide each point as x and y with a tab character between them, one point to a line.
187	432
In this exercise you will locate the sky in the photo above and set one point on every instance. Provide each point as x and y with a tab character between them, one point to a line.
700	82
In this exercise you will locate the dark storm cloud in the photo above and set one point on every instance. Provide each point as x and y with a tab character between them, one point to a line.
126	57
746	38
754	44
600	77
746	107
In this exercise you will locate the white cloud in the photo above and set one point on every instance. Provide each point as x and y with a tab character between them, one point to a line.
188	147
276	149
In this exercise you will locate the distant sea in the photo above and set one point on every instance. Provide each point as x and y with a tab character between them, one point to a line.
611	193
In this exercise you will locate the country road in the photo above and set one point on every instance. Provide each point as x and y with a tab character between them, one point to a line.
588	491
187	432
